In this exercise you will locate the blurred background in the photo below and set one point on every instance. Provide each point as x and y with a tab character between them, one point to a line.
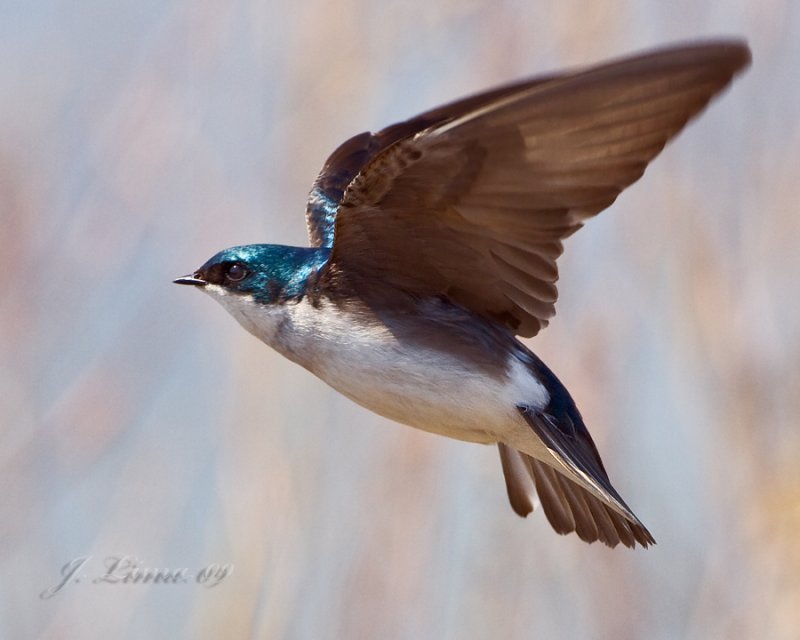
137	138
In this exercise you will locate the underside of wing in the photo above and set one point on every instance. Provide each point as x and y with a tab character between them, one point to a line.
473	201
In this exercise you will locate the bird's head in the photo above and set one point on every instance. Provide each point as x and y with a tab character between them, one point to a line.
261	273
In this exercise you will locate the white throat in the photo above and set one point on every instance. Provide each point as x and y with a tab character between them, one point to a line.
306	334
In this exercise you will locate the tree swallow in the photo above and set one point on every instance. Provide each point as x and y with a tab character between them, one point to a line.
434	245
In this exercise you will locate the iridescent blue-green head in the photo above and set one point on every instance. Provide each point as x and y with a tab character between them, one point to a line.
262	273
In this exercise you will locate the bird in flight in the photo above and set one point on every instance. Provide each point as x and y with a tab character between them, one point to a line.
433	248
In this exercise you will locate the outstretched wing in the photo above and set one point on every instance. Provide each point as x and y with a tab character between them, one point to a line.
473	200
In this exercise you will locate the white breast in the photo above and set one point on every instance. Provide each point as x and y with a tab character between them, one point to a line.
423	388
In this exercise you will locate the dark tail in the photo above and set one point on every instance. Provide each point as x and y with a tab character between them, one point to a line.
568	506
573	486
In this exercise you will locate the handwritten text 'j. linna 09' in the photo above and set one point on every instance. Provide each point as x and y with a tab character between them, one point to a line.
128	570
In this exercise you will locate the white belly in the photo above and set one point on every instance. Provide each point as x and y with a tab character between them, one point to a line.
427	391
423	388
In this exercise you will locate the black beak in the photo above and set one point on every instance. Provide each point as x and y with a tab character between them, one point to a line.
192	279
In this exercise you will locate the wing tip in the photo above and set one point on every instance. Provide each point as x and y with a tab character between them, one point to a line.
730	51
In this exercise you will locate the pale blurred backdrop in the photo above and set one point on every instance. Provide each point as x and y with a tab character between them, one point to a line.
138	137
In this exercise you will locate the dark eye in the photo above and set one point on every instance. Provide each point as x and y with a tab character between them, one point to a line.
236	272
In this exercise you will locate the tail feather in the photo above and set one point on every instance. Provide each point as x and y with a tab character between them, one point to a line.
587	525
521	494
568	506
